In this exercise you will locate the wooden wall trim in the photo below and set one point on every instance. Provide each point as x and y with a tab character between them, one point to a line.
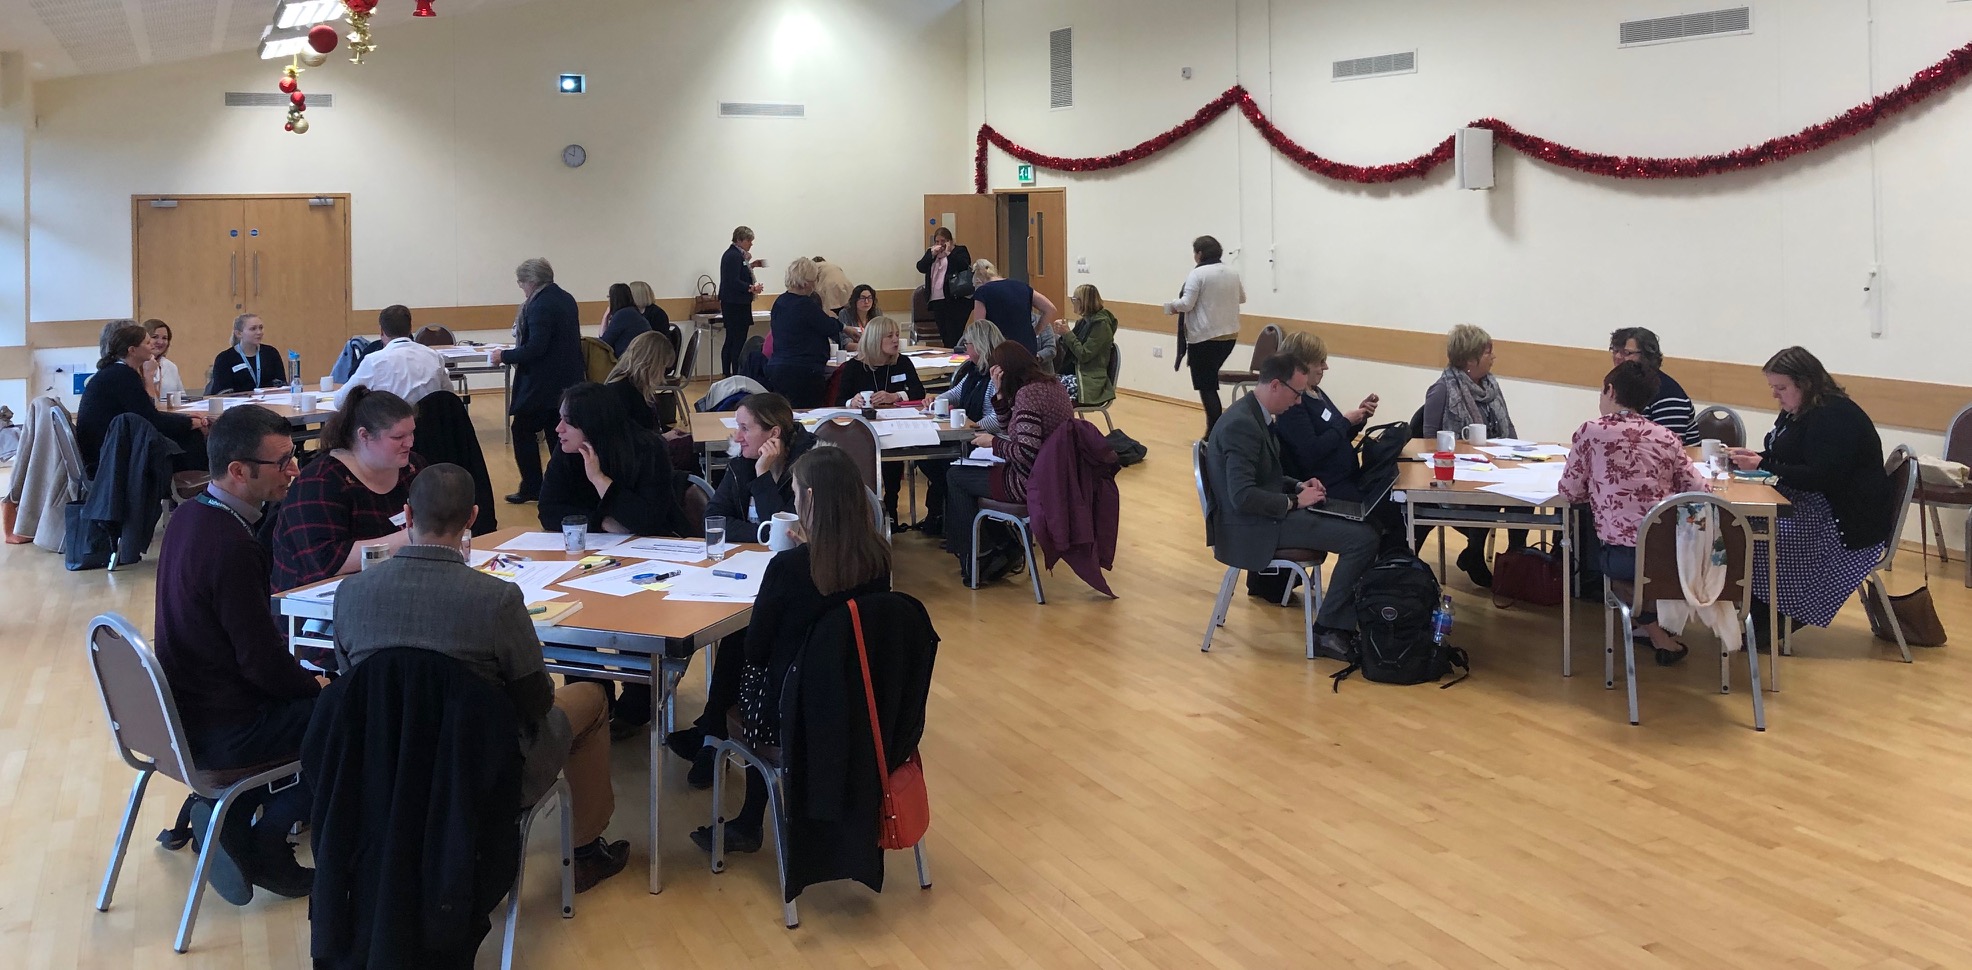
16	363
1891	402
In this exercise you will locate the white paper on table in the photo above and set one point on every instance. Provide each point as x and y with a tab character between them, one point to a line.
1494	475
552	542
321	594
669	550
1525	452
1508	441
532	574
908	434
697	596
732	423
751	564
478	557
1530	494
986	455
619	582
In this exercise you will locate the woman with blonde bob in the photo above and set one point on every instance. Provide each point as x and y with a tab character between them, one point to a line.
644	368
645	301
888	377
798	370
1466	394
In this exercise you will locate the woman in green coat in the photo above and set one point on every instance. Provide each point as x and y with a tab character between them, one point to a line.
1083	350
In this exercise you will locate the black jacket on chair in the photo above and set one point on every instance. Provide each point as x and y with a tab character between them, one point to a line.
445	434
834	796
547	355
416	781
133	478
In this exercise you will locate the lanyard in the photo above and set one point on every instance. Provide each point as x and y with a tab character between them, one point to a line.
253	363
206	499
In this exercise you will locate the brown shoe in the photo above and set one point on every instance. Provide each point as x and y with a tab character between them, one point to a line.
598	861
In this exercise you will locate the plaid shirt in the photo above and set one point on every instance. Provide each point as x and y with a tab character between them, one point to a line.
327	512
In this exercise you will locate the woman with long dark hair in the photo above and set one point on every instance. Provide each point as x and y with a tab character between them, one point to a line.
624	321
119	387
1034	405
608	469
347	497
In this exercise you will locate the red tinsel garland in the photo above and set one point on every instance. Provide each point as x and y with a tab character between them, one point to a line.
1923	85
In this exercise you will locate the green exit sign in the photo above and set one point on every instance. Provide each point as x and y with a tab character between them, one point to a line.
1026	174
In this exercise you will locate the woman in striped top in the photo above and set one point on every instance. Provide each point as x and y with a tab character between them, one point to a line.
1034	404
1670	406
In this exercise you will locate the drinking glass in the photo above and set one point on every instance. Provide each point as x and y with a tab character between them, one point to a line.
715	537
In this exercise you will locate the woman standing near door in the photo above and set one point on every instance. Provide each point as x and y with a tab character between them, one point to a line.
941	265
1209	305
248	364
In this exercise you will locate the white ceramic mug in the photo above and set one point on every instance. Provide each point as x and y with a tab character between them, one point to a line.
1475	434
958	419
328	384
309	402
941	407
215	406
778	532
1447	440
1711	448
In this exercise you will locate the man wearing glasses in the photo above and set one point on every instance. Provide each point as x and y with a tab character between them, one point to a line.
244	699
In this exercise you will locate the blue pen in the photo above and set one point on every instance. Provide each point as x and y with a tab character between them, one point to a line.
722	574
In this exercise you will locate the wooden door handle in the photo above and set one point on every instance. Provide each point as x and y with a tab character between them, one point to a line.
233	274
256	274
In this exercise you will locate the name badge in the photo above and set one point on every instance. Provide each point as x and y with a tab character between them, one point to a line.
896	378
239	367
1327	414
397	520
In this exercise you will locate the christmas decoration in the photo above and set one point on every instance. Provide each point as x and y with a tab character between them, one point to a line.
424	9
313	58
297	101
359	32
322	38
1931	81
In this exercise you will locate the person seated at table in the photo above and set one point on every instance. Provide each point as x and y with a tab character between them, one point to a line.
118	388
425	597
248	364
643	369
1082	348
1669	406
861	310
401	366
1829	460
1035	405
1622	464
623	322
660	321
972	389
757	483
889	377
351	496
243	698
1260	505
843	555
797	368
161	374
1466	394
1009	304
608	470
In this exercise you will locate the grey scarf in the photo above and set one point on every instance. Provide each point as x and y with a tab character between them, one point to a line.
1475	402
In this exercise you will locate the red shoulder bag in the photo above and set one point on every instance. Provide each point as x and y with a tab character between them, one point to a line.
906	802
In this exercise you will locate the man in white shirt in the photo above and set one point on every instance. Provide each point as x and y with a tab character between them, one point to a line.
402	366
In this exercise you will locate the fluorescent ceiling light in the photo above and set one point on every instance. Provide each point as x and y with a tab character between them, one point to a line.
276	44
289	14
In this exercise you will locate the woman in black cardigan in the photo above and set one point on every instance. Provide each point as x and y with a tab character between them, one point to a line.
950	309
118	388
248	364
1829	460
880	369
608	469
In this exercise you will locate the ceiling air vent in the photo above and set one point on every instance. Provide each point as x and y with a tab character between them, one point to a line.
1403	62
1690	26
761	109
275	99
1061	68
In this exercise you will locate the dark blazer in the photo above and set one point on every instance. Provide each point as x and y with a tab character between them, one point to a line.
801	332
660	321
114	390
959	261
622	327
1250	492
735	276
1834	449
1314	446
743	486
133	479
414	819
643	501
232	373
547	357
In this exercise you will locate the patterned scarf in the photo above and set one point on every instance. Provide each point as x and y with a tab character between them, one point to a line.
1474	402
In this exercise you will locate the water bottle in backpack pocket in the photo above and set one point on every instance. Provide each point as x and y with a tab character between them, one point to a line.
1402	618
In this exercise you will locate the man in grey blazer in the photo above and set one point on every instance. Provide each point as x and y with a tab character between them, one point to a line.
426	597
1259	509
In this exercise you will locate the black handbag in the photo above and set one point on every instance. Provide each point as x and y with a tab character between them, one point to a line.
85	543
961	287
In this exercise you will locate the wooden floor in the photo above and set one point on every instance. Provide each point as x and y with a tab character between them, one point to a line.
1104	795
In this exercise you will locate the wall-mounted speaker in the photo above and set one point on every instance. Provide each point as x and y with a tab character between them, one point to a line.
1473	148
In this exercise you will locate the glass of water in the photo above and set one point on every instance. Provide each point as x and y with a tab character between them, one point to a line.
715	537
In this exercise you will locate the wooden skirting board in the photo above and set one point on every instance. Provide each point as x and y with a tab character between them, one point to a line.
1890	402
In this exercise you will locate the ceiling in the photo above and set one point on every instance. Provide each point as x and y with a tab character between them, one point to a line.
69	37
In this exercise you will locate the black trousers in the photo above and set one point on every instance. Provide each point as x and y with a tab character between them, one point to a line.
803	387
934	495
965	485
951	315
528	426
739	322
273	736
194	458
1206	360
722	694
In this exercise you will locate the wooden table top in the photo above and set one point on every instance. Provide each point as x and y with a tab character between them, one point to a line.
1417	476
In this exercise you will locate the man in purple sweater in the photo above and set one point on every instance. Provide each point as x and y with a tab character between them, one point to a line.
244	699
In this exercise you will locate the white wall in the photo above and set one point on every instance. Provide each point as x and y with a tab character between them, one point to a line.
449	139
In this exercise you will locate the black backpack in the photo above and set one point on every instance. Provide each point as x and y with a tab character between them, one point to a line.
1394	600
1377	455
1129	451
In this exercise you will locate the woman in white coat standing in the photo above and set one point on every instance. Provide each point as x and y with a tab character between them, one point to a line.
1208	326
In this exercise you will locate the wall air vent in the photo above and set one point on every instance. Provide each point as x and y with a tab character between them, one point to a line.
1403	62
1061	68
761	109
275	99
1690	26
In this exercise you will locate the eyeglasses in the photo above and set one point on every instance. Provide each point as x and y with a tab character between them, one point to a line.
281	462
1626	354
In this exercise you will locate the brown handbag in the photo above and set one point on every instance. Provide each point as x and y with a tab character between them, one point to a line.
1531	575
707	300
1916	616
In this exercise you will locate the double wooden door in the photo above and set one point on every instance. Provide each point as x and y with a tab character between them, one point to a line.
992	225
201	261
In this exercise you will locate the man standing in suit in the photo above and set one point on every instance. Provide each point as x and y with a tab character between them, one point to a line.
1260	509
426	597
547	360
736	291
941	264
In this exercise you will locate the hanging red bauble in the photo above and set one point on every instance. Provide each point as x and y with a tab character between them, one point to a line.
322	38
290	126
298	97
288	85
360	7
424	9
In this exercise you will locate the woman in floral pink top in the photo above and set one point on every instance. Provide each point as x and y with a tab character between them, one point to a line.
1623	464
